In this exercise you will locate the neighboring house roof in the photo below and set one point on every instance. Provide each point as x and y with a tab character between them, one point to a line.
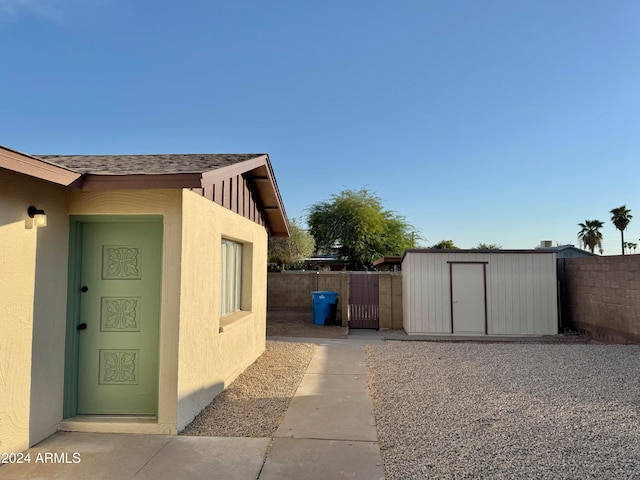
388	264
387	261
325	261
124	172
569	251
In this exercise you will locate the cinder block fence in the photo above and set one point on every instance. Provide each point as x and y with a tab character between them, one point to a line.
292	290
390	288
600	296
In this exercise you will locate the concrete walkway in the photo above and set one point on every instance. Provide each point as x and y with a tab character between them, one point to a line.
328	432
329	429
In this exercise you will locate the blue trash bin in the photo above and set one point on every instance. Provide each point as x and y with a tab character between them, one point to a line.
322	302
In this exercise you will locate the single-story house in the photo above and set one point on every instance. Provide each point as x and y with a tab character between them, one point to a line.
571	251
480	292
133	287
566	251
326	263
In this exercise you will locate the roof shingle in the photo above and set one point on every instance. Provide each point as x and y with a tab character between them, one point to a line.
146	164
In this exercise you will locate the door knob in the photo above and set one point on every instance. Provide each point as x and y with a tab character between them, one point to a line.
84	289
82	326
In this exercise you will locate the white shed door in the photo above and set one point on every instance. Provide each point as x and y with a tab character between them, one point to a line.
468	297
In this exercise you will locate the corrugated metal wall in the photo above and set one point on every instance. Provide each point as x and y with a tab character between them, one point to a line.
521	292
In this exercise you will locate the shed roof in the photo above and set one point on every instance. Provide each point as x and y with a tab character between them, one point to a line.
471	250
476	250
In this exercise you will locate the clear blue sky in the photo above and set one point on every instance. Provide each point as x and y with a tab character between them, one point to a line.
480	121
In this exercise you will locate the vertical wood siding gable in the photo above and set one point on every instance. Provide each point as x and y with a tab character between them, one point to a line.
236	194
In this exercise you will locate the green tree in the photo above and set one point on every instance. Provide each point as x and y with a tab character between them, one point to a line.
445	245
620	217
487	246
355	225
590	234
286	250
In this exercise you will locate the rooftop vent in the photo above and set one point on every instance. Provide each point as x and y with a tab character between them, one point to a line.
546	244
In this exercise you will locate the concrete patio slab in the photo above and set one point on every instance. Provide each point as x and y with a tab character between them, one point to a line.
322	460
328	432
87	455
77	455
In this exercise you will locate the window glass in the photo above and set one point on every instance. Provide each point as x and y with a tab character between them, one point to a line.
231	277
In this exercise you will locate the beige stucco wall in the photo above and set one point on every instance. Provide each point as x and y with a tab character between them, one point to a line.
32	310
148	202
213	352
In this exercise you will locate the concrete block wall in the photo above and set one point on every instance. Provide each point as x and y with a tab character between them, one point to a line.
292	291
601	296
390	290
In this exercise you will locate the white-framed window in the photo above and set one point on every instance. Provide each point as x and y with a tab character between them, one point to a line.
231	278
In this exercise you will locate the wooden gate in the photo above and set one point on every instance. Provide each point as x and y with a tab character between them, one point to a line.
364	301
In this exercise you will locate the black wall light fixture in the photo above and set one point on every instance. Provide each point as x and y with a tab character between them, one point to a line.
38	215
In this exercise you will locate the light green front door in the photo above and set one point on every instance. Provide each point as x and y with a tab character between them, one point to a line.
119	318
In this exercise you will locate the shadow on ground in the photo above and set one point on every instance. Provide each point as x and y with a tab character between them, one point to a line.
299	323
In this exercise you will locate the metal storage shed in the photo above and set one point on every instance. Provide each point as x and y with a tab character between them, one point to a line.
480	292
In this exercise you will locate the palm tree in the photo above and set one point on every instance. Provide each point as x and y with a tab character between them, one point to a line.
621	217
590	234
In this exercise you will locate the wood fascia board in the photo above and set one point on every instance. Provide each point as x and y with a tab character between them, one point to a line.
272	203
34	167
240	168
138	182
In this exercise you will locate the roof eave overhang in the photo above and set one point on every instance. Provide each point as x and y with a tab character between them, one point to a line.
259	172
34	167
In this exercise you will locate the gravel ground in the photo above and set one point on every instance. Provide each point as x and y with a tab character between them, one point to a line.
507	410
299	323
255	403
